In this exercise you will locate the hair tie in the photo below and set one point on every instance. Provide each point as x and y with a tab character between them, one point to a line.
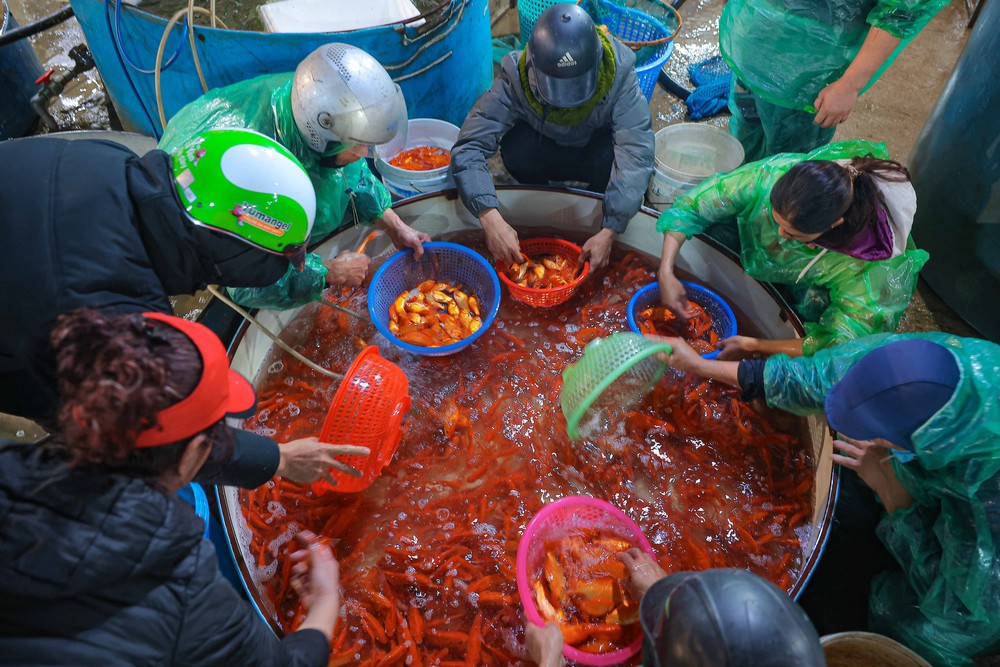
852	171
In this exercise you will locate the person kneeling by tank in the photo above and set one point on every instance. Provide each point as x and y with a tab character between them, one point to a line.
918	419
338	107
831	227
101	562
567	108
713	618
91	224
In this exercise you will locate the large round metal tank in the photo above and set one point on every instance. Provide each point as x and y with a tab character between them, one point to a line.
443	66
537	210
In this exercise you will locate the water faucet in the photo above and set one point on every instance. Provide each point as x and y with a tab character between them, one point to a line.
53	83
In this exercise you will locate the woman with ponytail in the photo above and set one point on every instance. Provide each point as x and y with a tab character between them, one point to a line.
100	562
832	225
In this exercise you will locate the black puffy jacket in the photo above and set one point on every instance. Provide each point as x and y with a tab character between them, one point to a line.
88	223
103	569
91	224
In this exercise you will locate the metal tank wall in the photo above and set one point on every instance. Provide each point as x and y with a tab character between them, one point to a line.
955	168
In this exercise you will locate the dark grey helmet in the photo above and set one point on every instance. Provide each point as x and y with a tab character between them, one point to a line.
725	618
563	56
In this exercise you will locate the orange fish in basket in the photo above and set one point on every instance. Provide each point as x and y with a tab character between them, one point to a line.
581	586
434	314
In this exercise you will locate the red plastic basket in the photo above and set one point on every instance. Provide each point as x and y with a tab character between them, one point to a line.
367	410
552	522
546	298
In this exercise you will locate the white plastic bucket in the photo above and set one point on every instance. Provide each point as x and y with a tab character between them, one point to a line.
866	649
403	183
686	154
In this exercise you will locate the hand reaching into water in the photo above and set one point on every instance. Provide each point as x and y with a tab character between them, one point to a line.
348	268
643	571
308	460
316	578
545	644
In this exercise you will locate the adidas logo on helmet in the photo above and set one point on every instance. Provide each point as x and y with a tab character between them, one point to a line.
566	61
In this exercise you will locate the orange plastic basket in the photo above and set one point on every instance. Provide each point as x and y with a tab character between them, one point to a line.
367	410
546	298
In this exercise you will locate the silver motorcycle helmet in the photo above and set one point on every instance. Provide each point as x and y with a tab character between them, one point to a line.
563	56
342	98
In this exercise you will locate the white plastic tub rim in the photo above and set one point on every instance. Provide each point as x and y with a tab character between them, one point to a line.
867	649
538	211
685	154
691	152
405	183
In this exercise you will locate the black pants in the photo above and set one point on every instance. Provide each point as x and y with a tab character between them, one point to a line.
836	597
534	159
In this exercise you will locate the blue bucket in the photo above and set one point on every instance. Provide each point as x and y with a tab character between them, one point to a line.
444	262
632	25
712	303
195	496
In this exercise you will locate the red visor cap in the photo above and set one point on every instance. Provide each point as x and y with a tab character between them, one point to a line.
220	391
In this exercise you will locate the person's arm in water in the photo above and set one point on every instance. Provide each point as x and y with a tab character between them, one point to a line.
741	347
544	644
218	627
798	385
836	101
316	578
718	199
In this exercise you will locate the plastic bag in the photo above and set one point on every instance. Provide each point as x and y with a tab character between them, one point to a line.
945	604
788	52
295	288
864	297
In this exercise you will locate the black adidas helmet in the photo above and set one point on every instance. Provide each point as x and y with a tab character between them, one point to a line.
725	618
563	56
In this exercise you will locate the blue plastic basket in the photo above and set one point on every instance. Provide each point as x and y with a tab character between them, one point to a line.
444	262
714	305
528	12
639	21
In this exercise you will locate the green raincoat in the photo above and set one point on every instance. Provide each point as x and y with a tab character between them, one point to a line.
787	52
945	604
342	193
847	297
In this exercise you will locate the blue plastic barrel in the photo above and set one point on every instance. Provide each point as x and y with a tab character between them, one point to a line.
19	68
195	496
443	66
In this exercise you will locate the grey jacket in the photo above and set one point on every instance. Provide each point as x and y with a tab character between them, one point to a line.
624	110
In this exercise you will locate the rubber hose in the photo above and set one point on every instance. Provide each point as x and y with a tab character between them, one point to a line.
671	86
38	26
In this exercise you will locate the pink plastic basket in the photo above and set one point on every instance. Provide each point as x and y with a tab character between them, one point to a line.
551	522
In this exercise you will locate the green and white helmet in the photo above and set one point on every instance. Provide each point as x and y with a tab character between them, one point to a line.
242	183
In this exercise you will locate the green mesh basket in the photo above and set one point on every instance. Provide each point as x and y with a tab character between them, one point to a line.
613	373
